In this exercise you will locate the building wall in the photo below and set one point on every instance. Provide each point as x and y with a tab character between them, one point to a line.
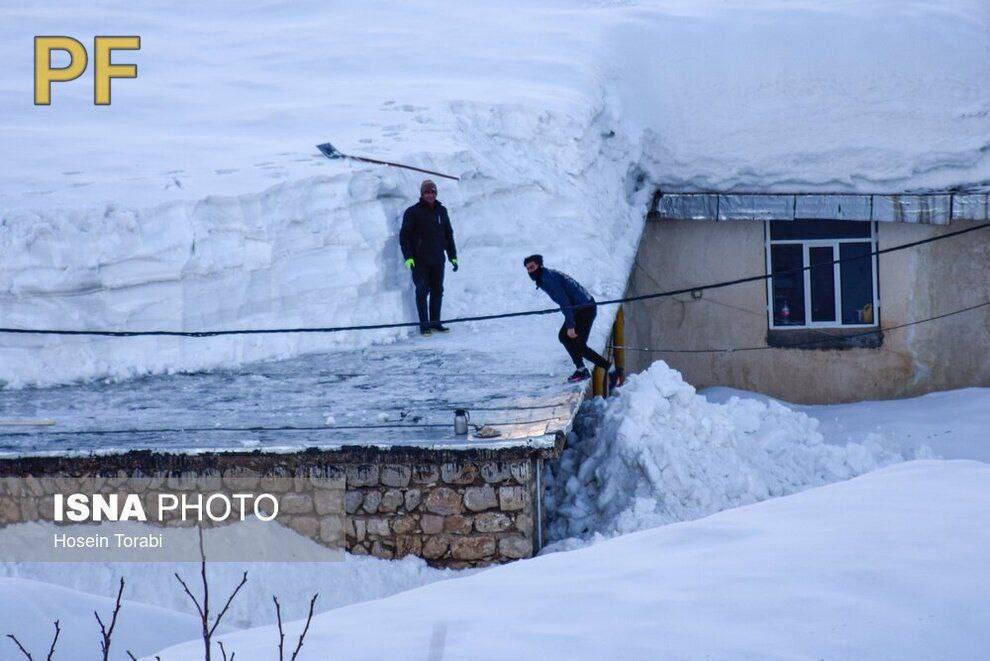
452	508
915	283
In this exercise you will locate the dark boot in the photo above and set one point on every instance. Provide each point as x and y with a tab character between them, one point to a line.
579	375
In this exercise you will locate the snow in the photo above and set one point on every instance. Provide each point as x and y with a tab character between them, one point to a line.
197	200
30	608
386	395
152	584
658	453
951	424
892	564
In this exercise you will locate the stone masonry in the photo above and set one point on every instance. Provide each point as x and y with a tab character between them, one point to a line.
457	509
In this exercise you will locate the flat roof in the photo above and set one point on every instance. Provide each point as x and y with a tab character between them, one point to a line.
395	395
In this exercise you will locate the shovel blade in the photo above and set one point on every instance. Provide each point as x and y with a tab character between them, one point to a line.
329	151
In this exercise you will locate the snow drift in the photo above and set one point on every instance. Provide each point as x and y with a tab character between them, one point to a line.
197	200
889	565
659	453
29	609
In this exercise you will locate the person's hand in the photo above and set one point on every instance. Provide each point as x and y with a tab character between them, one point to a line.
410	263
571	333
454	262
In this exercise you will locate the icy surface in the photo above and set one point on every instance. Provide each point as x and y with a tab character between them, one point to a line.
953	425
197	200
659	453
891	564
396	394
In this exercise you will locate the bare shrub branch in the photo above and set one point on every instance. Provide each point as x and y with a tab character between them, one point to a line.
106	633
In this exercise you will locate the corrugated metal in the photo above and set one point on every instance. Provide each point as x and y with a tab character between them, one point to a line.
756	207
833	207
974	206
929	209
926	210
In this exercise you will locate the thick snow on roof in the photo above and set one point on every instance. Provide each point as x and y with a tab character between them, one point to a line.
197	200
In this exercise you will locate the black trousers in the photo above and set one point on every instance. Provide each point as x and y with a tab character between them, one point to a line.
578	347
428	279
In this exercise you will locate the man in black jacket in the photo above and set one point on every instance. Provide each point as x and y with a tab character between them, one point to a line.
425	236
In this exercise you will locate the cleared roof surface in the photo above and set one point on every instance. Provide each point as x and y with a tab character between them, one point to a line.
401	394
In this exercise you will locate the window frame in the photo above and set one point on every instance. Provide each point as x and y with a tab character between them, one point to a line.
835	244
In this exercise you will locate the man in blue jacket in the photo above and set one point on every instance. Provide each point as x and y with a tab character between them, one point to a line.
425	237
579	311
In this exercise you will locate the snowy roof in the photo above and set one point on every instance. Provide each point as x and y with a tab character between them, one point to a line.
397	395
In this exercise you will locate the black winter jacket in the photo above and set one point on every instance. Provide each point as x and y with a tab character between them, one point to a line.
426	234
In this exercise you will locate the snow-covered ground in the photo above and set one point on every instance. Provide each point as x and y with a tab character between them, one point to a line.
661	483
954	424
197	200
891	565
354	579
30	609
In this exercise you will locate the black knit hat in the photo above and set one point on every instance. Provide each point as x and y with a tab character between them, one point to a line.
534	258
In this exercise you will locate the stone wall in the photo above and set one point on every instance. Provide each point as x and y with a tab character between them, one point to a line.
454	509
455	514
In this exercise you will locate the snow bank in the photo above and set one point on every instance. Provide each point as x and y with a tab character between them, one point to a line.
889	565
949	425
659	453
29	609
197	200
354	579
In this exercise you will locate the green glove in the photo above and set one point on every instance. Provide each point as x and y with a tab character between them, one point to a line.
410	263
454	262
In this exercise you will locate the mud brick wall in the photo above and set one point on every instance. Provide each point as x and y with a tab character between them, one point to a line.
455	514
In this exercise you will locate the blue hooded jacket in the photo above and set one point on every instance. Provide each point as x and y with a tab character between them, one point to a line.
565	292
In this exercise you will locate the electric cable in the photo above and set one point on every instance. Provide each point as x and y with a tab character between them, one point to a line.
505	315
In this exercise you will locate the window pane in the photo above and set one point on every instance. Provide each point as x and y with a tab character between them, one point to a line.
822	283
857	283
788	289
819	229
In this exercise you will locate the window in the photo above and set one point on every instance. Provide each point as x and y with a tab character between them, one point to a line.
808	289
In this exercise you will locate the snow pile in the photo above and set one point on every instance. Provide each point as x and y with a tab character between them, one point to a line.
197	200
660	453
889	565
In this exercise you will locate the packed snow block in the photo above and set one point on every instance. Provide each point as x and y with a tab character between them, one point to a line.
455	508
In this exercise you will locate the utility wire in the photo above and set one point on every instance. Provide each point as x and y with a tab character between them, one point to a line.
488	317
877	331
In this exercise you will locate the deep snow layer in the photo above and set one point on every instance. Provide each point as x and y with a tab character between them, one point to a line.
658	453
891	564
30	608
197	201
953	424
354	579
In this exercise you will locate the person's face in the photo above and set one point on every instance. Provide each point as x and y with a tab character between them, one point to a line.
430	195
531	267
